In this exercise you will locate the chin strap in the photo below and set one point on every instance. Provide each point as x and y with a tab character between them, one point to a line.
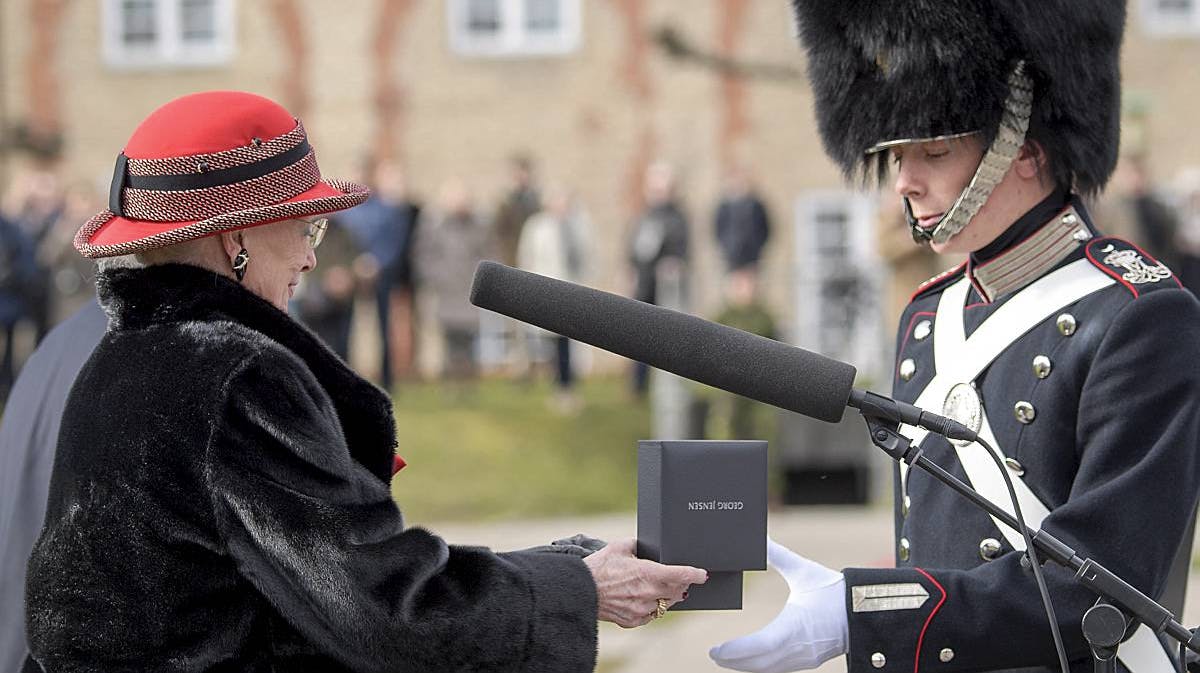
921	236
1014	123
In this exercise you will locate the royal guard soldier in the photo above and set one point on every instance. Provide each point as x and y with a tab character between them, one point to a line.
1072	353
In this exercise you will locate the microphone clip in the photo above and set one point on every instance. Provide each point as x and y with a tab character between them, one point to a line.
873	405
885	433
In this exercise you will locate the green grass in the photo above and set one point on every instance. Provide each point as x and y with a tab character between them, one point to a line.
497	450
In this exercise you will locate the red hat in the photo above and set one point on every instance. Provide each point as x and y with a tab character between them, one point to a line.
206	163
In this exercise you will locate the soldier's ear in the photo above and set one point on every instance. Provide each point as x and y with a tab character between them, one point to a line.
1031	161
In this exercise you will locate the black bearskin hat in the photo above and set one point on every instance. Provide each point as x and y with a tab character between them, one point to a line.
887	70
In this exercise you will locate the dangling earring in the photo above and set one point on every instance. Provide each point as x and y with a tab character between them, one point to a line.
240	262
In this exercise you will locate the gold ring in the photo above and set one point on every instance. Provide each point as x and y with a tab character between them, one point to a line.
661	610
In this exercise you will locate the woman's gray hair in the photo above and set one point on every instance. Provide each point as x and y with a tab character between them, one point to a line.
120	262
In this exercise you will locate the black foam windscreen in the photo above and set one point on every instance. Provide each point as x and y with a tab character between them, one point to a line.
723	357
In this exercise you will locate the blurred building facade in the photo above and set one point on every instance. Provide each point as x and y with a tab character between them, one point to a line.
455	87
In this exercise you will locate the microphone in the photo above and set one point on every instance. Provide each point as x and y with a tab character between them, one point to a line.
723	357
874	405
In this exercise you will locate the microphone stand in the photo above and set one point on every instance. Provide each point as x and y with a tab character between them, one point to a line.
1121	607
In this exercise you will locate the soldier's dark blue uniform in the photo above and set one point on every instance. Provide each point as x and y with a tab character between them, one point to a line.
1097	408
1075	355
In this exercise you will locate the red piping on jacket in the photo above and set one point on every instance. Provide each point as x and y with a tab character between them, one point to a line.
908	331
921	638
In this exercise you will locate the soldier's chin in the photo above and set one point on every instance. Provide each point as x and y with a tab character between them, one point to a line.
947	245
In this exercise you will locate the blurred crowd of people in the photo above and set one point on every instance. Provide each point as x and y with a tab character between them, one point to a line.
409	265
1162	217
404	266
42	278
416	261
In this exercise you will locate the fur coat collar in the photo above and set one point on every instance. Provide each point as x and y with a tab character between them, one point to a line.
141	298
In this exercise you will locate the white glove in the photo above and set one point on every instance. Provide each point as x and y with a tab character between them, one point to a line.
811	628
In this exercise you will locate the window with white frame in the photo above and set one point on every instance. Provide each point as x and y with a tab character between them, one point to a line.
1171	17
167	33
502	28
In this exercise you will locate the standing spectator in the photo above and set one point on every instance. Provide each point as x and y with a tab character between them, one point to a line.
325	301
521	202
16	271
35	203
383	227
554	243
499	337
1141	214
402	310
658	246
72	277
1187	188
742	225
449	246
740	416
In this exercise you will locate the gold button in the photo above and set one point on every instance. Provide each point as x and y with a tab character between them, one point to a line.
1081	235
946	655
922	330
1069	219
1066	324
1042	366
1016	467
905	504
878	660
1024	412
905	549
989	548
907	369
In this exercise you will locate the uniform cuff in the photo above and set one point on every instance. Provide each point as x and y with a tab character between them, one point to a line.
890	611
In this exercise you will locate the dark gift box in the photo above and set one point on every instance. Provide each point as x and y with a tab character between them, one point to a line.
704	504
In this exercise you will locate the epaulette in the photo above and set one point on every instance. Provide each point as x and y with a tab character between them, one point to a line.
1130	265
937	282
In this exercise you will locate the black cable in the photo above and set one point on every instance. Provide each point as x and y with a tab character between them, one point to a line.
904	480
1033	560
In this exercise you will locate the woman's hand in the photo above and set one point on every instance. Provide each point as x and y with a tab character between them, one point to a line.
628	588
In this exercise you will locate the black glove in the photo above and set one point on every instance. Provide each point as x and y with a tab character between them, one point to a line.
577	545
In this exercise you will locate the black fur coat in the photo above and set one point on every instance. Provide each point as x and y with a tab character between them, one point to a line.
220	503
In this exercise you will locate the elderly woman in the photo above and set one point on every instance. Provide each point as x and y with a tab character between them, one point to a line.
220	498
